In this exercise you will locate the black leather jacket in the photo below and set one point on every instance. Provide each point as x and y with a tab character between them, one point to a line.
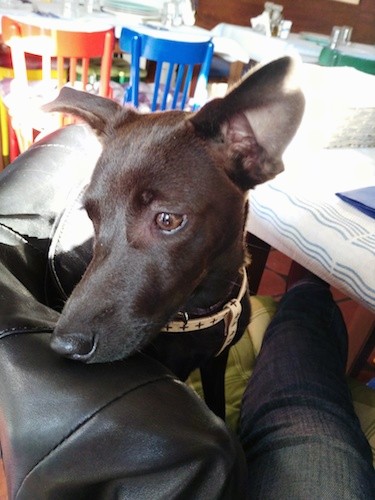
125	430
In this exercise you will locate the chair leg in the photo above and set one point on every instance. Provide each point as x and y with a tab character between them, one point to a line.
14	149
2	160
235	72
361	332
4	134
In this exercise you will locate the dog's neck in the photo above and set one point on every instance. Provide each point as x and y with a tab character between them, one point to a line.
198	311
228	311
222	281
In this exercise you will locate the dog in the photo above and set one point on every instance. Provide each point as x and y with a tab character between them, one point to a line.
168	203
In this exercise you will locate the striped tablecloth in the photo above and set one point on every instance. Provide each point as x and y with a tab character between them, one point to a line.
299	214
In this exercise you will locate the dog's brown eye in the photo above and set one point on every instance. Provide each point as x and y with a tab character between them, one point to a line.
169	222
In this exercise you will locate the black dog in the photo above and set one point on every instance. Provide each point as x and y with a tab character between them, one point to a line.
168	203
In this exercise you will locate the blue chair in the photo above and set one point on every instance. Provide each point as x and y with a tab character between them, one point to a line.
170	91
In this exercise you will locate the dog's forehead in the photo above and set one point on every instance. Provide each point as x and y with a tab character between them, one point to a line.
154	151
161	158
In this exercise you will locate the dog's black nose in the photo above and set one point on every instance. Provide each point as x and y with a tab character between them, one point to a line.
75	345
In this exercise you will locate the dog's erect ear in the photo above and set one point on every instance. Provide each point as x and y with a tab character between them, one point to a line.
94	110
256	121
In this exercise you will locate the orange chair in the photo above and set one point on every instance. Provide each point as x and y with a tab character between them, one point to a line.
71	49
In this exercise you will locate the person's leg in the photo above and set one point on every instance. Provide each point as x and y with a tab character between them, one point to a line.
298	428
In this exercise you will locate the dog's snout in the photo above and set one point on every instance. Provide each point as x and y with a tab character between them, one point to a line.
74	345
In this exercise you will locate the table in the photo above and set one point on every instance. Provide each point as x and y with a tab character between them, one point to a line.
258	47
232	42
96	21
298	212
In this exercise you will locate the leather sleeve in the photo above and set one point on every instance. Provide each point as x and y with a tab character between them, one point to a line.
38	192
126	430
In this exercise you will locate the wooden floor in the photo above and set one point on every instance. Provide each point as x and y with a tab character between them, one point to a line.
273	283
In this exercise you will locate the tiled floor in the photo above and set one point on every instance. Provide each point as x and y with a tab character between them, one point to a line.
273	283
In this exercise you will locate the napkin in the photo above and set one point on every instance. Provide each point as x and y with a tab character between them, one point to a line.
363	199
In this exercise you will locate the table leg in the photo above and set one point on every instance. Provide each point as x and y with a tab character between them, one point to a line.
259	251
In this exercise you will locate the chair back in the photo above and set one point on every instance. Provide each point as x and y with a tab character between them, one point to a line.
67	47
175	61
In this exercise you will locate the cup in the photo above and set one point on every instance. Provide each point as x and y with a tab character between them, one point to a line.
6	4
346	34
92	6
70	9
285	28
340	35
335	37
168	13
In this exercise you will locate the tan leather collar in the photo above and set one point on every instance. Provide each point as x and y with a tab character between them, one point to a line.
230	313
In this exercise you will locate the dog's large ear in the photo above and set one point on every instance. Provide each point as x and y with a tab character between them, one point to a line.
256	121
94	110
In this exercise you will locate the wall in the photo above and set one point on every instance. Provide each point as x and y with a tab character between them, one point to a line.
307	15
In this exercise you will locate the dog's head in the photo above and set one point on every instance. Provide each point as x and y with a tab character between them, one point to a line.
167	202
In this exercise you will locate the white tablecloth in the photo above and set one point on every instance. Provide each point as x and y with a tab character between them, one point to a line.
299	214
247	44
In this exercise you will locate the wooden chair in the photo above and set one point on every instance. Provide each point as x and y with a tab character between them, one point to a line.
178	58
71	50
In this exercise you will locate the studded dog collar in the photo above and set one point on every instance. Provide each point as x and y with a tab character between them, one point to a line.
230	314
